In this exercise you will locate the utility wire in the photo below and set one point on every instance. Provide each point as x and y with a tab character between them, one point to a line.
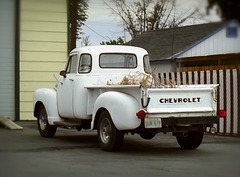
97	32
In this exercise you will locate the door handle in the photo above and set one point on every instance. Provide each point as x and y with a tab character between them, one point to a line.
71	79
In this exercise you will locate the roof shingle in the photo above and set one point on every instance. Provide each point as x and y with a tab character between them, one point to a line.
164	43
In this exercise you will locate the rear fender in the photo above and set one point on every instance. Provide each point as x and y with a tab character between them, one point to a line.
122	108
47	97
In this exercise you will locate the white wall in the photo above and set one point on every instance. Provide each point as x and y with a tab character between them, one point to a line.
162	67
216	44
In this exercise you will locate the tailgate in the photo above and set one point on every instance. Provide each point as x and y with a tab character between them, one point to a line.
184	101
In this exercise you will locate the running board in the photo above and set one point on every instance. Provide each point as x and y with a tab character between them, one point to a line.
67	123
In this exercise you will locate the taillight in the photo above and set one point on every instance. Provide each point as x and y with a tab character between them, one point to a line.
222	113
141	114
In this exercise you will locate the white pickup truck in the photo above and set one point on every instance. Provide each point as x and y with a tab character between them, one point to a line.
90	94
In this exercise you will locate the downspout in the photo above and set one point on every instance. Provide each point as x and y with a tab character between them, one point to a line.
73	21
68	27
17	59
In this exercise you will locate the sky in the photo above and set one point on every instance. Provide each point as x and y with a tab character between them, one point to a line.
103	25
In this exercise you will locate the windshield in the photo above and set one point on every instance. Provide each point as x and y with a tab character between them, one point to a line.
118	60
146	64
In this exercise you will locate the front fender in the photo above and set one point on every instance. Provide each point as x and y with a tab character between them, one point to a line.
47	97
122	108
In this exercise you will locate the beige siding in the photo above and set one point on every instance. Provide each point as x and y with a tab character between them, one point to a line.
41	66
42	56
43	48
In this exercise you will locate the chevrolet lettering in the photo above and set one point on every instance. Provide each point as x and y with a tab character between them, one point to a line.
180	100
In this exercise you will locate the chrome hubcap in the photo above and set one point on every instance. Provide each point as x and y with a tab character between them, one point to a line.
43	119
105	130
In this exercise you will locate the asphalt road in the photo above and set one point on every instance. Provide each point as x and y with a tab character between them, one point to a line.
23	153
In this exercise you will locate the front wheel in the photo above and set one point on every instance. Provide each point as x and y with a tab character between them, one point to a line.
191	140
44	128
109	137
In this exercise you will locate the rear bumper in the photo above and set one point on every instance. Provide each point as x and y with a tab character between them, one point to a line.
174	124
189	120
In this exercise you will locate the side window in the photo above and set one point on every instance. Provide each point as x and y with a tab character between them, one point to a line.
72	64
146	64
85	63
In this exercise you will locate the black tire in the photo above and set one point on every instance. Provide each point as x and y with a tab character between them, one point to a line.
109	137
191	141
44	128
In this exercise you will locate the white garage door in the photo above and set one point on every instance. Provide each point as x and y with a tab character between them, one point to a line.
7	58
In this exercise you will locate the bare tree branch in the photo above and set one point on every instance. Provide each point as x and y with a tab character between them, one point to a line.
143	15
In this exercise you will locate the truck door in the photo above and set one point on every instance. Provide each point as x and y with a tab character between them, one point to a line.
65	89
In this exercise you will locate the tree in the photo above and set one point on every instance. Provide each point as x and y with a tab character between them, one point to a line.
145	15
227	9
85	41
78	16
81	16
119	41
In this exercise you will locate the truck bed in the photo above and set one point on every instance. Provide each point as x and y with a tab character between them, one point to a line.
181	101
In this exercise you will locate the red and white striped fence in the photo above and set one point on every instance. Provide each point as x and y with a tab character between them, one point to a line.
228	93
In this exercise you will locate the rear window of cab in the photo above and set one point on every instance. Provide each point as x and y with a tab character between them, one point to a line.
117	60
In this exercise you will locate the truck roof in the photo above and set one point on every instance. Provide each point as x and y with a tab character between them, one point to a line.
110	48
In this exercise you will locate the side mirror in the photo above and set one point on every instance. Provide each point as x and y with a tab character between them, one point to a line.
63	73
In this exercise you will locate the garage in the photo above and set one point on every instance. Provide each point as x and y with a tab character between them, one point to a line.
7	58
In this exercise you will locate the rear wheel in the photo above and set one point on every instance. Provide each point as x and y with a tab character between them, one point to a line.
109	137
44	128
147	135
191	140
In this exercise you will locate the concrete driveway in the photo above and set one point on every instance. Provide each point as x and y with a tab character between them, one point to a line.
23	153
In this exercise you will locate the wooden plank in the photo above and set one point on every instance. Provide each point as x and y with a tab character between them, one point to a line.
26	106
44	36
164	78
27	115
43	26
34	85
225	100
44	5
210	67
43	46
159	76
42	66
38	76
204	77
187	77
170	77
238	113
199	77
6	122
181	78
211	77
193	77
51	16
218	96
26	96
231	102
44	56
175	77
